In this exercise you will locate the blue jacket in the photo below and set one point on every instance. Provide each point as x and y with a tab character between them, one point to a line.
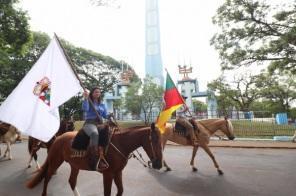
90	114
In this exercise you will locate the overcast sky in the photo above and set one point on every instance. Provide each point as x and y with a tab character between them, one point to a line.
185	26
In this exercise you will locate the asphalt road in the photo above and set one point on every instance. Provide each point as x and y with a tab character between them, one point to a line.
247	171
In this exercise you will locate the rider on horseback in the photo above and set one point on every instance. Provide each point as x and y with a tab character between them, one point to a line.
182	120
92	120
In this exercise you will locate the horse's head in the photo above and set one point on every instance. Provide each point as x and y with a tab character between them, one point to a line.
227	129
153	147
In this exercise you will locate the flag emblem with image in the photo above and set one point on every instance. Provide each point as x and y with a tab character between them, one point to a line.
42	90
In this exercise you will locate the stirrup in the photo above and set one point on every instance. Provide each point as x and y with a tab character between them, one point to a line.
106	165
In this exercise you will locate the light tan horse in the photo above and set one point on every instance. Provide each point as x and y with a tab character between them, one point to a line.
8	135
206	128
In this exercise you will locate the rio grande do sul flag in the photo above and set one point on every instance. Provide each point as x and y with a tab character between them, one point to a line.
173	100
32	107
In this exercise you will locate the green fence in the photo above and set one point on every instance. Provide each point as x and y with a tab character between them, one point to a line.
251	128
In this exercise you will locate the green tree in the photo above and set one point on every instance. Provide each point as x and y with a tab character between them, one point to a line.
133	99
240	93
253	32
14	31
151	99
199	105
278	88
95	69
145	98
19	65
266	106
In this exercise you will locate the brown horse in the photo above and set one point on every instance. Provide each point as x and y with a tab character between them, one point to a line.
206	128
34	144
122	144
8	135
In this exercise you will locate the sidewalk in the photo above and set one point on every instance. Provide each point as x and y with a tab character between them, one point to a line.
249	144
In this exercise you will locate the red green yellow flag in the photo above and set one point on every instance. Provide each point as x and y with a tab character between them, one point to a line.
173	100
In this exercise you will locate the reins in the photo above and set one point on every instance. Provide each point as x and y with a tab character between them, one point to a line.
137	156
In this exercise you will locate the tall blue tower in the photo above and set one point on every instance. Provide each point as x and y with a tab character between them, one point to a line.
153	61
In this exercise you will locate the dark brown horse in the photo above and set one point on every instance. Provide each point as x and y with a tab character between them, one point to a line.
122	144
206	128
34	144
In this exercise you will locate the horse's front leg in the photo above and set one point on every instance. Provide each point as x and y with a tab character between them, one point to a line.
118	182
107	180
209	152
194	150
164	162
73	180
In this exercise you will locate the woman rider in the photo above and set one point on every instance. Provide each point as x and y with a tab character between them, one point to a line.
90	127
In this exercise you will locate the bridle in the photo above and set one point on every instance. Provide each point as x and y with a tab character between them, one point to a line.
138	156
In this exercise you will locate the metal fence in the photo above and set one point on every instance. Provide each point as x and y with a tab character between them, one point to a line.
245	124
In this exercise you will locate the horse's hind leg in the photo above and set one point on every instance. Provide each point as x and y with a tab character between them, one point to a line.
118	182
73	180
209	152
195	148
35	156
53	165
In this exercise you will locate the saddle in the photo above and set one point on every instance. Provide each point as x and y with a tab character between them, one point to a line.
81	140
181	130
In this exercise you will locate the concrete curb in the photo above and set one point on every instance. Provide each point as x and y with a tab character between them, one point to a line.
249	144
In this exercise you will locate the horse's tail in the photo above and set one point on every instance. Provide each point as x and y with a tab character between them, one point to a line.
39	176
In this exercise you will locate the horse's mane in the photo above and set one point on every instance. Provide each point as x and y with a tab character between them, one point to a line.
129	129
207	121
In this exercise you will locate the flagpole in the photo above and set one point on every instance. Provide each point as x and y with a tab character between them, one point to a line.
75	73
182	98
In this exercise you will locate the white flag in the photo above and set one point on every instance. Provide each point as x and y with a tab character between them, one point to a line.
32	107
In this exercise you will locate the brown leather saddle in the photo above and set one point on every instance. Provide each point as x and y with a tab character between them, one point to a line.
181	130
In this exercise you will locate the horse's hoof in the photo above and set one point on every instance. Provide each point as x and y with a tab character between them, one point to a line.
168	169
194	169
220	172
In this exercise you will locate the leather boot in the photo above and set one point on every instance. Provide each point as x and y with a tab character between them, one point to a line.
103	164
93	159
